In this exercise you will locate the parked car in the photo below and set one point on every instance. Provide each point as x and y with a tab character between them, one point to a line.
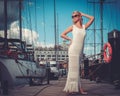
54	72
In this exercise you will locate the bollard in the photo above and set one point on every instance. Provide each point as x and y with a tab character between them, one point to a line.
48	75
5	87
86	68
62	73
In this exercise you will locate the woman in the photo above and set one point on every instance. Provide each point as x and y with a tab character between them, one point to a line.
73	83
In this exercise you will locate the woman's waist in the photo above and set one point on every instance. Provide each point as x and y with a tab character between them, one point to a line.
77	44
75	48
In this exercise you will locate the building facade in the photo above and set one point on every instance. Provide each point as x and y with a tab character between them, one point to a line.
58	53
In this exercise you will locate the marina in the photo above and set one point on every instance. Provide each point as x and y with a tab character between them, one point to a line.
34	60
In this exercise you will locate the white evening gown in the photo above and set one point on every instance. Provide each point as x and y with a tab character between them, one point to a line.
75	52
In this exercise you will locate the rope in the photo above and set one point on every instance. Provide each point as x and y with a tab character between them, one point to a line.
94	70
26	67
20	70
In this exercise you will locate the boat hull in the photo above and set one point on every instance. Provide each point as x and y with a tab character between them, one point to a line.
10	68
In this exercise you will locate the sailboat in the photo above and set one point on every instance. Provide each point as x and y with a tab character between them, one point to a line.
16	59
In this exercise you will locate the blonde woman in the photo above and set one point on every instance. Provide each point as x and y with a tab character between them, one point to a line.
78	29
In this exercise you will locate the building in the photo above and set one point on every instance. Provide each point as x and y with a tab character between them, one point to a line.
60	53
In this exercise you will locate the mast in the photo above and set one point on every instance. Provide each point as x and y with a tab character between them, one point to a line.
5	23
44	23
57	35
20	23
20	6
94	33
101	2
6	19
101	23
55	30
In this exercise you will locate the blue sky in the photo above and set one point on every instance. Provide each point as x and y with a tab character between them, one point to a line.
42	20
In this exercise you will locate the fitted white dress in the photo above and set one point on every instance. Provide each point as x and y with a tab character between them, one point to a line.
75	52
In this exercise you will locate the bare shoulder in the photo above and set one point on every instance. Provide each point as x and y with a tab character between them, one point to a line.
70	28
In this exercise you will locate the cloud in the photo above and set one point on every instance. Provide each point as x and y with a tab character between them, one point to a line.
42	44
30	3
27	35
12	12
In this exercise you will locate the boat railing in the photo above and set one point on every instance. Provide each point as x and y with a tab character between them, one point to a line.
16	49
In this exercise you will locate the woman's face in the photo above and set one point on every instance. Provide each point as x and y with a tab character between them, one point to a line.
76	17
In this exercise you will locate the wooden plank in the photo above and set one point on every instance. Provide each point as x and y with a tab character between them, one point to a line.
29	77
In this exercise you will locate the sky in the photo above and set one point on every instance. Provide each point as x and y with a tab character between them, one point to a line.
44	19
38	18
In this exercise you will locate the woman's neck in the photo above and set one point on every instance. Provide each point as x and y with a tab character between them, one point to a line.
78	24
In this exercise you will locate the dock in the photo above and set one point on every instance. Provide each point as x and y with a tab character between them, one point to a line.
55	88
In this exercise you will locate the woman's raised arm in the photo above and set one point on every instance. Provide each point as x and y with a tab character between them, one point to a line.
91	19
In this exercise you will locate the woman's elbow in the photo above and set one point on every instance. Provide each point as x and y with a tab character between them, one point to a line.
93	18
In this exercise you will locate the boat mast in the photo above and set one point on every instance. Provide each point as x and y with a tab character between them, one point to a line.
20	6
101	2
94	33
101	23
55	30
6	19
44	23
5	23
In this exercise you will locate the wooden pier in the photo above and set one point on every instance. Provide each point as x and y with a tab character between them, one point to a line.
55	88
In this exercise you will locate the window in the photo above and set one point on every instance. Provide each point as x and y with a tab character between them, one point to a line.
48	55
42	55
